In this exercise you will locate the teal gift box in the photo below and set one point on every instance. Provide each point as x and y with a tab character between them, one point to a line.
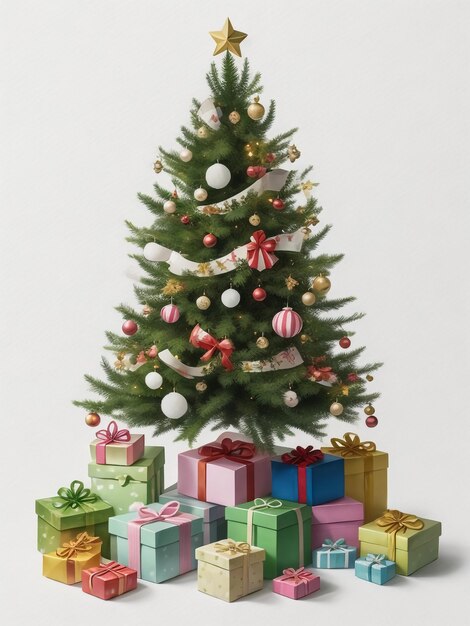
213	515
156	540
334	555
375	568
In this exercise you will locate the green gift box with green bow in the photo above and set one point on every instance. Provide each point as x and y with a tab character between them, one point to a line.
73	510
123	486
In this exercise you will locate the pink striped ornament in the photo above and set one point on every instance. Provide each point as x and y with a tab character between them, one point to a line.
287	323
170	313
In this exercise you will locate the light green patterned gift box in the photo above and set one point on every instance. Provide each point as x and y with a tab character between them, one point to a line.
124	486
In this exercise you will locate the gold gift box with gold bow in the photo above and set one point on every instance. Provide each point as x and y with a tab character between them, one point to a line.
365	472
66	563
410	541
229	569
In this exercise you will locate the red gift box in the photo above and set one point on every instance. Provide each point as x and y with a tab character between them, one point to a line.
108	580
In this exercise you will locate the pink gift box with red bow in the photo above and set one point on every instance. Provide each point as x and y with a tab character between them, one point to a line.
296	583
114	446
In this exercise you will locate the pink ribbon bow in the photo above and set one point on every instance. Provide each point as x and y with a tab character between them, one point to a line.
260	251
168	513
111	435
201	339
298	575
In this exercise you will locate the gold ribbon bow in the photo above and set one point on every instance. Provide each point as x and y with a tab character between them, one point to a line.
394	521
83	543
351	445
239	547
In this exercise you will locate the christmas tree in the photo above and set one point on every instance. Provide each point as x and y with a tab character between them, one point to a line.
235	328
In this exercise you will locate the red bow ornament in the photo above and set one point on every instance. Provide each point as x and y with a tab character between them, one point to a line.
260	251
317	374
302	456
111	434
201	339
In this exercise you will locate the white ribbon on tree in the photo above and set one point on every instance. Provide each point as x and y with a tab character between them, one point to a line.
271	181
286	359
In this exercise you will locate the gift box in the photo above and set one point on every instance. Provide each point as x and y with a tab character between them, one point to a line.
375	568
281	528
296	583
108	580
410	541
66	563
227	471
365	472
334	555
229	570
157	540
122	487
337	519
308	476
116	447
73	510
213	515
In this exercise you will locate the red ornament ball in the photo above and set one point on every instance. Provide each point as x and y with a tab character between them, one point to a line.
259	294
371	421
255	171
269	158
209	240
287	323
92	419
129	327
185	219
278	204
170	313
345	342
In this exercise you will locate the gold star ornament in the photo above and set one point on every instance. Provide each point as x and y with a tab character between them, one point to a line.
227	39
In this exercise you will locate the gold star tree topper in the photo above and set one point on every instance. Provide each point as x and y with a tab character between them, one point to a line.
227	39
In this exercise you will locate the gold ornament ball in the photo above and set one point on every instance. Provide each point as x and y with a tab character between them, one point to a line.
336	409
254	219
202	132
201	387
255	109
92	419
262	342
369	377
369	410
203	303
158	166
304	338
321	284
234	117
308	298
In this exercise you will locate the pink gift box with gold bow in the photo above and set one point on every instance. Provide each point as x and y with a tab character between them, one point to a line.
296	583
116	447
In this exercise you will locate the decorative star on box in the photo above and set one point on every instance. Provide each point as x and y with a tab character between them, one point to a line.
227	39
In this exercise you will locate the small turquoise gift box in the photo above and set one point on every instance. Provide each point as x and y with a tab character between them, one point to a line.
334	555
375	568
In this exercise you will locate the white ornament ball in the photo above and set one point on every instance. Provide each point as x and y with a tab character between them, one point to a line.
200	194
155	252
153	380
291	399
230	298
186	155
287	323
336	409
170	313
169	206
218	176
174	405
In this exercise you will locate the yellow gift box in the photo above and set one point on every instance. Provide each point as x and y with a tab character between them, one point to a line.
229	570
365	472
66	563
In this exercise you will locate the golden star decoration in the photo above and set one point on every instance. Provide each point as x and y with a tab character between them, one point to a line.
308	185
205	269
291	283
227	39
172	287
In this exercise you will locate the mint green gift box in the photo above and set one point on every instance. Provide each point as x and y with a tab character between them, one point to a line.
122	486
75	509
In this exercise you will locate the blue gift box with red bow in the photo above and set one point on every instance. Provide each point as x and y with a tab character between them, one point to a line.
307	476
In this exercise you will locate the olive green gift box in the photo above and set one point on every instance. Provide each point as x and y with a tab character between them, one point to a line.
276	529
123	486
61	518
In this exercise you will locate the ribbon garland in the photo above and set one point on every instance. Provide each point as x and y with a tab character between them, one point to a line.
299	576
394	521
232	450
330	546
74	496
260	251
351	445
302	458
168	513
202	339
116	569
234	548
111	434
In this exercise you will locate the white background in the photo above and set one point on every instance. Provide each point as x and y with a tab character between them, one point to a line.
380	91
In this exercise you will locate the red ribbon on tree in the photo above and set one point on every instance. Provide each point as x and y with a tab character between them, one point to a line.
201	339
321	373
237	451
302	457
111	434
260	251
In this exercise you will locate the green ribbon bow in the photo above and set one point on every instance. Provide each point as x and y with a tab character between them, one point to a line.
74	496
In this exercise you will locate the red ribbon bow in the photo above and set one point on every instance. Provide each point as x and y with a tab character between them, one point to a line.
302	456
320	373
260	251
201	339
113	434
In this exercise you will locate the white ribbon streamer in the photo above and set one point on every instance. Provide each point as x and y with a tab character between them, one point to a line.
271	181
186	371
210	114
